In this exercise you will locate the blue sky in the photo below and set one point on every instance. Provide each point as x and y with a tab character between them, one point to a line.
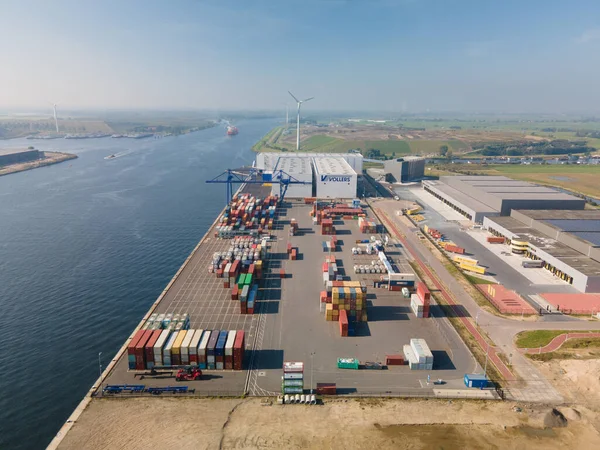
389	55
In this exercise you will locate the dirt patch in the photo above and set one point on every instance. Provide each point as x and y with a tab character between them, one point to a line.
338	424
578	380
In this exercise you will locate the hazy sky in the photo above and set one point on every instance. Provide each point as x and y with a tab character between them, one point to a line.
509	55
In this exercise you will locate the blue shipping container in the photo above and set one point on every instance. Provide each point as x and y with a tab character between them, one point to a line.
476	380
220	348
212	342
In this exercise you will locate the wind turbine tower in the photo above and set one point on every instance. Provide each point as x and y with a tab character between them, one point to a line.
55	118
299	102
287	114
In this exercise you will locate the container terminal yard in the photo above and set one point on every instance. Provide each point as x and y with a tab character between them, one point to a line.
289	324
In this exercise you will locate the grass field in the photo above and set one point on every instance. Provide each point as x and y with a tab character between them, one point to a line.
424	147
477	280
537	338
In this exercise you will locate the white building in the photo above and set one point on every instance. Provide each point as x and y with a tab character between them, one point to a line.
268	160
334	177
299	168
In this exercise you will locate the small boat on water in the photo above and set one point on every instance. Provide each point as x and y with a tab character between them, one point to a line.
110	156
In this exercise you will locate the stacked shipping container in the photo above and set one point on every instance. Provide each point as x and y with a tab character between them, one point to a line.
348	296
367	225
244	213
206	349
292	381
420	302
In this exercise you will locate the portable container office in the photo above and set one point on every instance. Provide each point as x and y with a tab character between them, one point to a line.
347	363
202	349
140	353
476	380
193	347
293	367
167	350
229	350
210	350
158	347
185	345
176	349
149	348
131	349
422	353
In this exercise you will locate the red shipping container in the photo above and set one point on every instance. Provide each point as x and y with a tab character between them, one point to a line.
134	341
238	350
394	360
395	288
234	268
219	273
294	254
226	284
335	307
289	248
219	358
250	310
281	273
149	347
326	389
251	269
325	267
234	292
243	309
140	363
423	293
229	364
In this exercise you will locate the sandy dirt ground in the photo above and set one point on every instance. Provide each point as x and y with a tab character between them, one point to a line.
160	423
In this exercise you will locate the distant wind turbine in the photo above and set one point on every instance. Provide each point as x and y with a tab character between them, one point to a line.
55	118
299	102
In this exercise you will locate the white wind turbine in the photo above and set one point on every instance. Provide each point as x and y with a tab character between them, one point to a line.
299	102
55	118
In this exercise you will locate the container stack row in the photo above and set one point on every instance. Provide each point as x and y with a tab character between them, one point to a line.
293	227
327	227
367	225
330	270
418	355
349	296
292	381
248	297
246	212
206	349
469	264
374	267
453	248
420	302
432	232
168	321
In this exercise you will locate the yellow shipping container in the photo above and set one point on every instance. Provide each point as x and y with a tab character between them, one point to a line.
335	301
464	259
472	268
328	307
176	349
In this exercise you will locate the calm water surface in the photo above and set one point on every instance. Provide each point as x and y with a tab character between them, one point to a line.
86	246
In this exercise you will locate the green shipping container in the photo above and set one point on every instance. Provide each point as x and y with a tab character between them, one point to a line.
248	278
293	390
293	383
347	363
241	280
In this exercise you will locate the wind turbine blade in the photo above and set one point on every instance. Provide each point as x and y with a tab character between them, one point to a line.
297	101
307	99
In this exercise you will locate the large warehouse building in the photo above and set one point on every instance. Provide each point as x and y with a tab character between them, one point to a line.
476	197
404	170
568	242
301	169
331	175
334	178
18	156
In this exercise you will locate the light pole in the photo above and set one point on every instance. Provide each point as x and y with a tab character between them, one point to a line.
311	372
487	352
100	370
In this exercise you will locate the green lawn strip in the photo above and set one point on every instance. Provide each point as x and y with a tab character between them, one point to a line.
539	338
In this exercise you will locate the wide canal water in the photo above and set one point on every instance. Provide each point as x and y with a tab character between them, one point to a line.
86	246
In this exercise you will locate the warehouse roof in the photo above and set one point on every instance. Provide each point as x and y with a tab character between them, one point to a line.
335	165
294	165
461	197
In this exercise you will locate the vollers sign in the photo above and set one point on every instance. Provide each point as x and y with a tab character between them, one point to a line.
335	179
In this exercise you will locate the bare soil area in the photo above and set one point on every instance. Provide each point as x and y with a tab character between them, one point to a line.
338	424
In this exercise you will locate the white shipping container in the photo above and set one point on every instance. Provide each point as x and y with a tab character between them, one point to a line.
229	343
292	376
193	347
422	351
296	367
203	343
219	366
185	344
167	349
210	359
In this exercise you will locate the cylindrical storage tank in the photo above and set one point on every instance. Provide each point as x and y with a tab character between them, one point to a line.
313	399
302	398
286	399
297	398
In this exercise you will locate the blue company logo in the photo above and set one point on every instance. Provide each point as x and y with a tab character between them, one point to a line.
335	179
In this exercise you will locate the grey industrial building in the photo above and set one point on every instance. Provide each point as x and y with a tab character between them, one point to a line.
476	197
568	242
404	170
19	156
